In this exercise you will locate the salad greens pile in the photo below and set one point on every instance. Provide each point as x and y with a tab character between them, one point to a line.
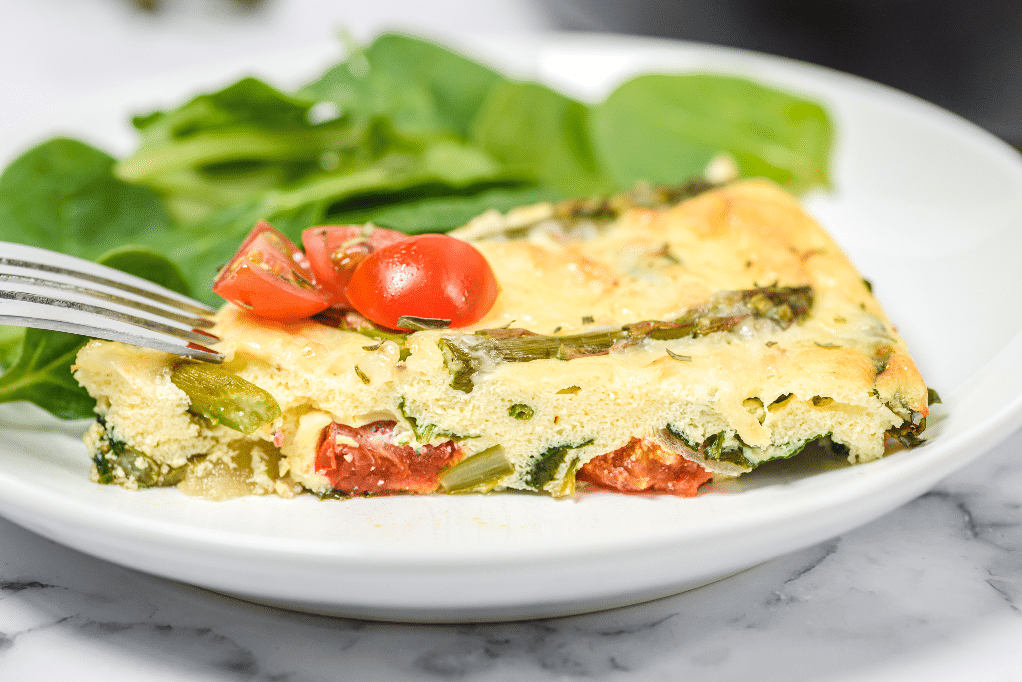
405	133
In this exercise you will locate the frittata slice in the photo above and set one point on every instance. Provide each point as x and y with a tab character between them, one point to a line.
636	347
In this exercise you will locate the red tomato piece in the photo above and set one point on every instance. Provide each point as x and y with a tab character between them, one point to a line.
271	277
641	465
335	250
364	460
431	275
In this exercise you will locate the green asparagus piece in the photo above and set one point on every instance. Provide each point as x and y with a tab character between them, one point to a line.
725	310
223	397
478	473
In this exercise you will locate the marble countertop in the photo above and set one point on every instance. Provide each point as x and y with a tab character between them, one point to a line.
930	592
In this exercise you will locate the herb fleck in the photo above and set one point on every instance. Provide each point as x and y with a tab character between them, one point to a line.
679	358
422	323
521	412
588	319
665	253
362	375
569	390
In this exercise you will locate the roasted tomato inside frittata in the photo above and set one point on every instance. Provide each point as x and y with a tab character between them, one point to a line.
365	460
642	466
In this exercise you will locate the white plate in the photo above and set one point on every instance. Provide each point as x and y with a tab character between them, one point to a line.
927	205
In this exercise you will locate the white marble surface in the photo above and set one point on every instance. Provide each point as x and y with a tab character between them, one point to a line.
930	592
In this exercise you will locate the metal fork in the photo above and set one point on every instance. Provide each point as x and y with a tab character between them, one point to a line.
48	290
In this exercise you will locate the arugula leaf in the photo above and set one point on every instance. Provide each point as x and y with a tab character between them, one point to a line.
61	195
423	89
541	134
665	128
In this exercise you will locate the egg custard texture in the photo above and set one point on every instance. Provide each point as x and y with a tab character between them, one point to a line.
647	353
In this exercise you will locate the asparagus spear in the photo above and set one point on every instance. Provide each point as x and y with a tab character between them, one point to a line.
464	354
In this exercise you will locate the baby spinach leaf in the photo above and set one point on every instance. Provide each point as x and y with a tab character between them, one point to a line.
202	248
665	128
540	134
422	88
10	345
226	147
62	195
42	375
444	169
446	212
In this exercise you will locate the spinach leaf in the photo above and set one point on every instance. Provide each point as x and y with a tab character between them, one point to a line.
203	248
10	345
41	374
445	168
446	212
542	135
665	128
422	89
61	195
226	147
227	159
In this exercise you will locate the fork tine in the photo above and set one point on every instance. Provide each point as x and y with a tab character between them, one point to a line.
32	310
190	320
49	290
20	256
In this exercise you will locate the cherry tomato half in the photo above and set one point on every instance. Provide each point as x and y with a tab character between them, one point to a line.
271	277
334	251
431	275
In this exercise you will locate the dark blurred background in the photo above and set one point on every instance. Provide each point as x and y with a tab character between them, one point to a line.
965	55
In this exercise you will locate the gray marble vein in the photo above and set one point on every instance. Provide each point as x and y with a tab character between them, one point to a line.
932	591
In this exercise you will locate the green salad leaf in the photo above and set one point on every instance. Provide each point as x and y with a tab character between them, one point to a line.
665	128
542	135
425	90
227	147
62	195
41	374
10	346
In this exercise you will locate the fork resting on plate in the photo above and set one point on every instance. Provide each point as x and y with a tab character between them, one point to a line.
49	290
